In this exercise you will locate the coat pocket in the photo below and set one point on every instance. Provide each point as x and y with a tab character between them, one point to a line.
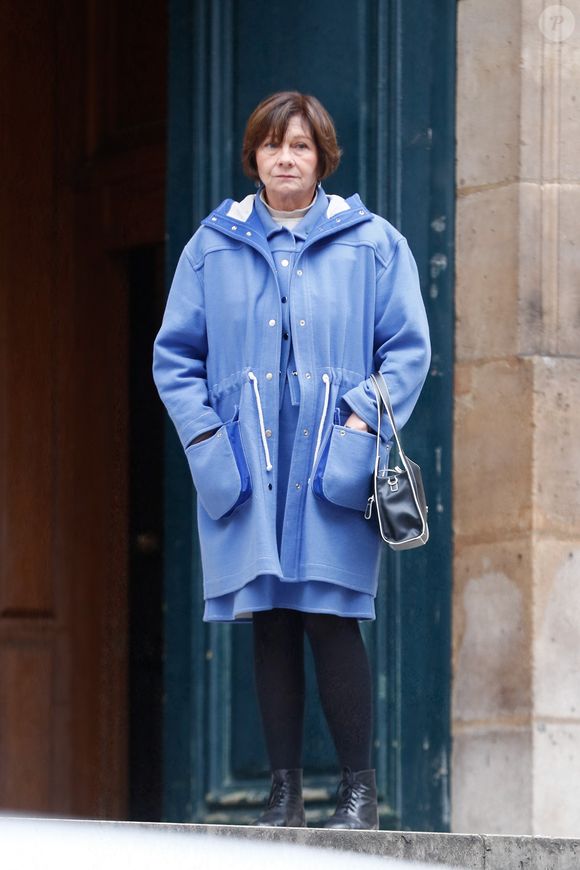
220	471
344	474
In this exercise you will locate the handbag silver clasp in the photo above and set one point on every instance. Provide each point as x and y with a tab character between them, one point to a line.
393	482
369	507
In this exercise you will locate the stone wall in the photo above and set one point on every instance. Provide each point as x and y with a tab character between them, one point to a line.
516	610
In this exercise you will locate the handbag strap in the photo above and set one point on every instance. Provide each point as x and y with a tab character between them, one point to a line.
382	392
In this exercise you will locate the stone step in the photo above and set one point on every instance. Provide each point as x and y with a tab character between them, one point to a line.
469	851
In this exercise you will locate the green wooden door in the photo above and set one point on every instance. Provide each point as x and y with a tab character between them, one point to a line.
385	71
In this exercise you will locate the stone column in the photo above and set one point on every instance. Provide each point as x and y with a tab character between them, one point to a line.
516	610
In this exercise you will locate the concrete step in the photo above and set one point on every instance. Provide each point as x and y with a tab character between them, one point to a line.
469	851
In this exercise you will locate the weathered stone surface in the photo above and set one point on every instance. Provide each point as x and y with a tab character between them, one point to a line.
486	269
557	631
453	850
518	271
569	258
492	673
548	279
516	620
491	785
557	446
530	45
150	844
492	478
568	126
531	853
31	844
556	778
487	92
537	268
548	97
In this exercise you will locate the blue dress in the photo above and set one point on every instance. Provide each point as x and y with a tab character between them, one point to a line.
266	591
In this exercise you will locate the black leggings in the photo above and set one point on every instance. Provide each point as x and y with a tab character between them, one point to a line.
344	683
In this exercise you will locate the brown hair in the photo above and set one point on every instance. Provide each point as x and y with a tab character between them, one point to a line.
272	116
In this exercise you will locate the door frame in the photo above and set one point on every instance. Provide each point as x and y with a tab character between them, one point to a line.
411	120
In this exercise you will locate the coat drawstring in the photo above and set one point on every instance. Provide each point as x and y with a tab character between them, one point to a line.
326	380
254	381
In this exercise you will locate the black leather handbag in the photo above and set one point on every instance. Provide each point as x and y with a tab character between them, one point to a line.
398	494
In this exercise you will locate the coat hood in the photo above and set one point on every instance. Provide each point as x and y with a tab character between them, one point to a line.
340	214
242	210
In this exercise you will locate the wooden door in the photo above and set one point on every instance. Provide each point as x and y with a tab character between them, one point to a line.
83	180
385	72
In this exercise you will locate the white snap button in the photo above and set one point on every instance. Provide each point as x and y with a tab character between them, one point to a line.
219	435
272	322
248	233
338	220
268	433
298	485
343	432
234	227
302	322
269	376
299	273
284	262
214	219
294	373
361	211
307	374
306	431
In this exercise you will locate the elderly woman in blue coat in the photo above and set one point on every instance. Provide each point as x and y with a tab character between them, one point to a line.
281	307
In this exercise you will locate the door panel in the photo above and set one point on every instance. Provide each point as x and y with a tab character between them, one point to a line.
83	178
388	83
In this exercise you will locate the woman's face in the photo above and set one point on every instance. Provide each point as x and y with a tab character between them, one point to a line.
288	169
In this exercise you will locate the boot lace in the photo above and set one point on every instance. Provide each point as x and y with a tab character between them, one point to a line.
278	793
347	792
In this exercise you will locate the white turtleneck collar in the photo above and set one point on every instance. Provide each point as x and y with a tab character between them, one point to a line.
288	219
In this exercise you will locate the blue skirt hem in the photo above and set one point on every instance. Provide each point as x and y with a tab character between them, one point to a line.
267	591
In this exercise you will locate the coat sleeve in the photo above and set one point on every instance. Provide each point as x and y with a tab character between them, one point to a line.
179	355
402	348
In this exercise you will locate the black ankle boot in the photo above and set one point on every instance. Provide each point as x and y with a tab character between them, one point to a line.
285	804
357	801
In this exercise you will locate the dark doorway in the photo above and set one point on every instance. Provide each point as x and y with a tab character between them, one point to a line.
145	288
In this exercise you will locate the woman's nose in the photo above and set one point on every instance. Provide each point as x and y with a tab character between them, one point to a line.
286	155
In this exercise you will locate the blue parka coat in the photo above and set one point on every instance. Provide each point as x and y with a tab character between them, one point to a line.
355	307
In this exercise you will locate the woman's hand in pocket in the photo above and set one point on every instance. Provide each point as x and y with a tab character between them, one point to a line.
204	435
355	422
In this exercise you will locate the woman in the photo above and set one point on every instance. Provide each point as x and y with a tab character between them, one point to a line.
280	308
